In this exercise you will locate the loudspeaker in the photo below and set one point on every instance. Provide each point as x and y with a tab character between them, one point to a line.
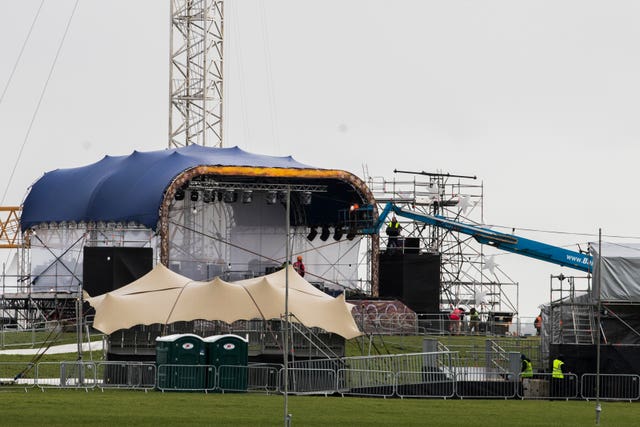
106	269
411	245
414	279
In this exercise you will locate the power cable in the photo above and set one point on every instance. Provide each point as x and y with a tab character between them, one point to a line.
24	44
37	109
567	233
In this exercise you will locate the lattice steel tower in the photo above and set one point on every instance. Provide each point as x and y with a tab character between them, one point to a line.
196	72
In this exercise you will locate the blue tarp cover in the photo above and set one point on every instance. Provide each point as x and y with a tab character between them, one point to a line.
128	188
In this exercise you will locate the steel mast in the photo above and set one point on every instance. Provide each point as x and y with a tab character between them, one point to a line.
196	73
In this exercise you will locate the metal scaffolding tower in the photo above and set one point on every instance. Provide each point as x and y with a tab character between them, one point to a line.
196	73
467	276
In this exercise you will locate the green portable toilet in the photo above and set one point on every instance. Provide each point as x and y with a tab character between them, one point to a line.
230	355
186	356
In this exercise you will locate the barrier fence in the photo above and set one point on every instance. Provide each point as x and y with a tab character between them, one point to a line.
78	375
421	375
544	386
612	387
126	375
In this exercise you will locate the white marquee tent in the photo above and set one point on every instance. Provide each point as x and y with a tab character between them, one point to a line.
163	296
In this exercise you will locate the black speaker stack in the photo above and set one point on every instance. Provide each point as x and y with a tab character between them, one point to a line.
412	278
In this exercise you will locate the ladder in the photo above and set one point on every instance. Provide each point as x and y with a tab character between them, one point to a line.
582	328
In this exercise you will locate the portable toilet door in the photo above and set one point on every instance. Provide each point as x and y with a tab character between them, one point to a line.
230	355
181	360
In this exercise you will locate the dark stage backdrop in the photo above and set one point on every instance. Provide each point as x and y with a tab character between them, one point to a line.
109	268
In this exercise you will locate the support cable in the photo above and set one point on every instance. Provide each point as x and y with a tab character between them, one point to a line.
37	109
24	44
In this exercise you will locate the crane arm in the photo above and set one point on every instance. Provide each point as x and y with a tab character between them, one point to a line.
506	242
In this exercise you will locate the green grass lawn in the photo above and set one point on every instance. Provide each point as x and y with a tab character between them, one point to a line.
128	408
395	344
10	339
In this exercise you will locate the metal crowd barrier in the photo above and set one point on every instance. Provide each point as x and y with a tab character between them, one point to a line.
361	382
126	375
426	375
76	374
544	386
173	377
478	382
263	378
310	381
437	383
612	386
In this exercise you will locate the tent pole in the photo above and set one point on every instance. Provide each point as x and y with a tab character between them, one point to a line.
287	416
79	302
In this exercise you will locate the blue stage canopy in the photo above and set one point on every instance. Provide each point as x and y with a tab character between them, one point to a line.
128	188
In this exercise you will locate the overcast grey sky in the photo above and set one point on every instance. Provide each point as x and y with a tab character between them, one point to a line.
539	99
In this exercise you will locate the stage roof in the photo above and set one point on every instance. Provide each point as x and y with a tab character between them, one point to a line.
131	188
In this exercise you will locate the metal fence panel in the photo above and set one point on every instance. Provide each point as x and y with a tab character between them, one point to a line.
425	384
186	377
612	386
232	378
544	386
480	382
392	362
125	374
310	381
263	377
17	375
365	382
76	374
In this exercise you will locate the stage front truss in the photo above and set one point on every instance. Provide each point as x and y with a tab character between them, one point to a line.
468	276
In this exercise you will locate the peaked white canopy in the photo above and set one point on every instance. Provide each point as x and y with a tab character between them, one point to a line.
162	296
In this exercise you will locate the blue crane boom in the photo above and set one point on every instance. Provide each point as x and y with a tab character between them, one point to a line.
506	242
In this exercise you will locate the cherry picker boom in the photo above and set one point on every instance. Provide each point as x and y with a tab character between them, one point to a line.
485	236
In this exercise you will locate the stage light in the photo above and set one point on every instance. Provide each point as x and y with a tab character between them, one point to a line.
325	233
271	197
179	194
312	234
247	196
230	196
194	196
282	196
220	196
207	196
337	234
351	234
305	197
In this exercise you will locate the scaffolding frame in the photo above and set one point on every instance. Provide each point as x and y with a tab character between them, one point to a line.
196	73
464	279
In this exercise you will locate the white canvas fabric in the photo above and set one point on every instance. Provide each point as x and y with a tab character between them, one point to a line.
162	296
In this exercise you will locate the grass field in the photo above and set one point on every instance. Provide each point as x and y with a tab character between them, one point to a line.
129	408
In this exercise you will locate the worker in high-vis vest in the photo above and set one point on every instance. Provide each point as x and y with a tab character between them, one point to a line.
393	231
557	369
558	386
526	370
